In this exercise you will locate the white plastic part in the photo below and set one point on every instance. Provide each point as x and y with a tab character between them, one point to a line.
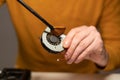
53	48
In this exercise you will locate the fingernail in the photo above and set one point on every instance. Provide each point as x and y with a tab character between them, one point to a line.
69	62
76	62
65	44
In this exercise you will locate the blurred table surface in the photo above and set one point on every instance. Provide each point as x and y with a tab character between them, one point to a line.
73	76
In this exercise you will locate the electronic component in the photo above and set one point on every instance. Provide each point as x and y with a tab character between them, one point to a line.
51	42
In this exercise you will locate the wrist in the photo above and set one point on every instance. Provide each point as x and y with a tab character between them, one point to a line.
104	60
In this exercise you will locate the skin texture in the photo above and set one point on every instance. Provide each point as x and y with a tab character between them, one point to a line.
85	42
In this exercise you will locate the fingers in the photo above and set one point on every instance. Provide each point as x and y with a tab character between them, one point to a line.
77	55
71	34
87	53
75	42
81	43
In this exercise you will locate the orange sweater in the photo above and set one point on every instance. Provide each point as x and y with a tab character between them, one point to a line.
104	14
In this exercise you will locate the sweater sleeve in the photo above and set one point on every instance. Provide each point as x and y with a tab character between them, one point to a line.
110	31
2	2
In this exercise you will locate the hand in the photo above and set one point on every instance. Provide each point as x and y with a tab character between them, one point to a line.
85	43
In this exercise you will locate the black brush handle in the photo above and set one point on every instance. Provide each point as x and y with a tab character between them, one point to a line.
36	14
